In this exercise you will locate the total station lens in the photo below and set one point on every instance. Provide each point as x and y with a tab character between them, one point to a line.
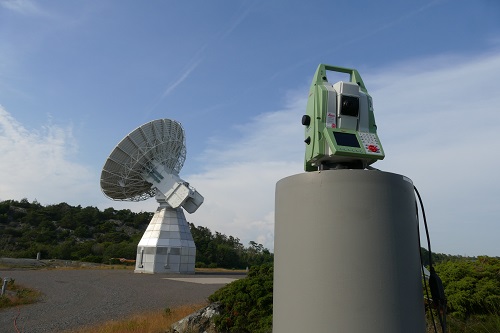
349	106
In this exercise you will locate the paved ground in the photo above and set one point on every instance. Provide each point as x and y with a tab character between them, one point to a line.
80	297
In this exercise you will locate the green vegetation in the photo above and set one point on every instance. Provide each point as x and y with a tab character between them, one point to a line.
472	288
247	303
16	294
87	234
71	233
218	250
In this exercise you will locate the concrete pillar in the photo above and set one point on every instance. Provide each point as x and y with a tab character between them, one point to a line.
346	254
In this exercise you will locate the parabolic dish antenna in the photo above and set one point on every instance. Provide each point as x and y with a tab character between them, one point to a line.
145	164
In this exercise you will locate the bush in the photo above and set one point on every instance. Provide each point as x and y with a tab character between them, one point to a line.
472	287
92	258
247	304
200	264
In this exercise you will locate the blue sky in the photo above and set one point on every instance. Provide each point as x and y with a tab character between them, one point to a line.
77	76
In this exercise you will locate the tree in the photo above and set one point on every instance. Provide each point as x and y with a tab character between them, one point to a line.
69	232
472	287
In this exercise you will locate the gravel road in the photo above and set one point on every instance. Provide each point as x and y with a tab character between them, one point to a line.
74	298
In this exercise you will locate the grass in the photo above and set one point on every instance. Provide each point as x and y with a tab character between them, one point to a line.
17	294
489	323
152	322
72	264
219	270
94	267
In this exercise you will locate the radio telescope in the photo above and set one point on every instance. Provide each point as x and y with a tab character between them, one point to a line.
145	164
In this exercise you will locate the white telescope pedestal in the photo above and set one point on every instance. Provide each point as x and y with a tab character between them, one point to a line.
167	245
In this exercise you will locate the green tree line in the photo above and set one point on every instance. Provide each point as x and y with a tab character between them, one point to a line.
62	231
439	257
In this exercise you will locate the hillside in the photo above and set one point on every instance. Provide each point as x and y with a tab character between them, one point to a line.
67	232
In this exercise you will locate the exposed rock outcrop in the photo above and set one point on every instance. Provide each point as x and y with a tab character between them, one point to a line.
199	322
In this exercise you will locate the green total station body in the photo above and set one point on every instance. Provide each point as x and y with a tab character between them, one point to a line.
340	129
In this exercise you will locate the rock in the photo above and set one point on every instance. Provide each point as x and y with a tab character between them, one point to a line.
199	322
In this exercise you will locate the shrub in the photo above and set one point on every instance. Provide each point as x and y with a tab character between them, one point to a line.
247	304
472	287
200	264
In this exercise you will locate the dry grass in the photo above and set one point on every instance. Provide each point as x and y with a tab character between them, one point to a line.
152	322
76	265
93	267
219	270
59	264
17	294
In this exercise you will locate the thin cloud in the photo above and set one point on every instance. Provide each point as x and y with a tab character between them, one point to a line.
195	61
23	7
197	57
171	87
237	20
397	21
438	121
36	164
181	79
240	176
340	44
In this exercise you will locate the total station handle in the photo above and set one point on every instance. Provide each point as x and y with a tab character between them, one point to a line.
320	75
